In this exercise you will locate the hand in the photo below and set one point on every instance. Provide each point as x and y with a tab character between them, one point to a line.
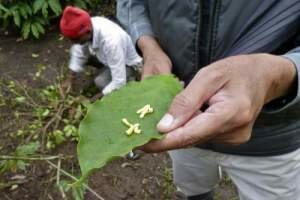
155	60
235	90
67	84
97	97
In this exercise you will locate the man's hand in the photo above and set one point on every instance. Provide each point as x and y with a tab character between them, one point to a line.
67	84
155	60
96	97
235	90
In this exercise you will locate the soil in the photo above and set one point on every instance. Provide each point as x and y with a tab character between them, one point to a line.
146	178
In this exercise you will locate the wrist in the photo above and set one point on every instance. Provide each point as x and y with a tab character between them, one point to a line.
283	77
148	45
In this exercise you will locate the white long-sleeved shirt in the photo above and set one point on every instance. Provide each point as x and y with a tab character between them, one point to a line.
112	46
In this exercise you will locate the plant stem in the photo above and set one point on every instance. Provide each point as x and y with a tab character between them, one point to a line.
75	179
58	179
4	157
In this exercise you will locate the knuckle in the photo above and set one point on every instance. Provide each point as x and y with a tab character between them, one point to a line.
184	101
243	138
239	60
214	74
245	117
187	140
244	113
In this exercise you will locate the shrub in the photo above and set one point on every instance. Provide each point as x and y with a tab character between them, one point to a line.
31	17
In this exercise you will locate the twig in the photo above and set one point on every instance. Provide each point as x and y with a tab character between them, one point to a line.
52	120
75	179
20	114
59	116
7	197
50	197
58	172
4	157
58	179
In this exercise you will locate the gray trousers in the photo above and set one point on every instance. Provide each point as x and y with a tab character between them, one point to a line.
104	76
197	171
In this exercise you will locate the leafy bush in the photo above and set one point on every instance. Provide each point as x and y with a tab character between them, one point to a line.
31	17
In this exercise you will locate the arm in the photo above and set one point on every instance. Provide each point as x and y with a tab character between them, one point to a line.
133	16
235	90
117	66
293	95
78	57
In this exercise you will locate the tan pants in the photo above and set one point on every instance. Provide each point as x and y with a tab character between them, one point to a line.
196	171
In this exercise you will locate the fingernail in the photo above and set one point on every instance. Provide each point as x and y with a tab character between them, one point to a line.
166	121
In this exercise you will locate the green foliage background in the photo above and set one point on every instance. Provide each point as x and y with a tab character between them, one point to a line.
31	17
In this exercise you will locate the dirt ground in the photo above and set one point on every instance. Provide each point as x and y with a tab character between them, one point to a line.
149	177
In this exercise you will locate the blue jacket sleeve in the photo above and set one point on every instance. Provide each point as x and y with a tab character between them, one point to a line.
294	97
294	56
133	15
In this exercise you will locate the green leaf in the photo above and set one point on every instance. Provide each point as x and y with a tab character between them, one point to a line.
59	137
46	113
78	112
8	165
38	4
40	20
35	31
3	8
102	134
23	12
78	191
20	99
26	29
20	164
17	19
45	10
55	6
39	27
27	8
34	55
27	149
80	4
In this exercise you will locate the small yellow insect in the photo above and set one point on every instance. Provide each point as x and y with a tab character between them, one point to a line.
145	110
132	128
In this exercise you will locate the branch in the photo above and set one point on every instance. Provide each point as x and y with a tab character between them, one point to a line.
3	157
75	179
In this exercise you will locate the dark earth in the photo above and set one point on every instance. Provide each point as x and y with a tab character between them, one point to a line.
149	177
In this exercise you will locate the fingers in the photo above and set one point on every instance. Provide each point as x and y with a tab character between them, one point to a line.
235	137
223	122
199	129
205	84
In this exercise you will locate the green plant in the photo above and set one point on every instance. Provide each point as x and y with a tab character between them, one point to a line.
31	17
50	114
168	185
21	151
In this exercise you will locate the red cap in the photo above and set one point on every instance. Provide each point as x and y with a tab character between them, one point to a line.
75	22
